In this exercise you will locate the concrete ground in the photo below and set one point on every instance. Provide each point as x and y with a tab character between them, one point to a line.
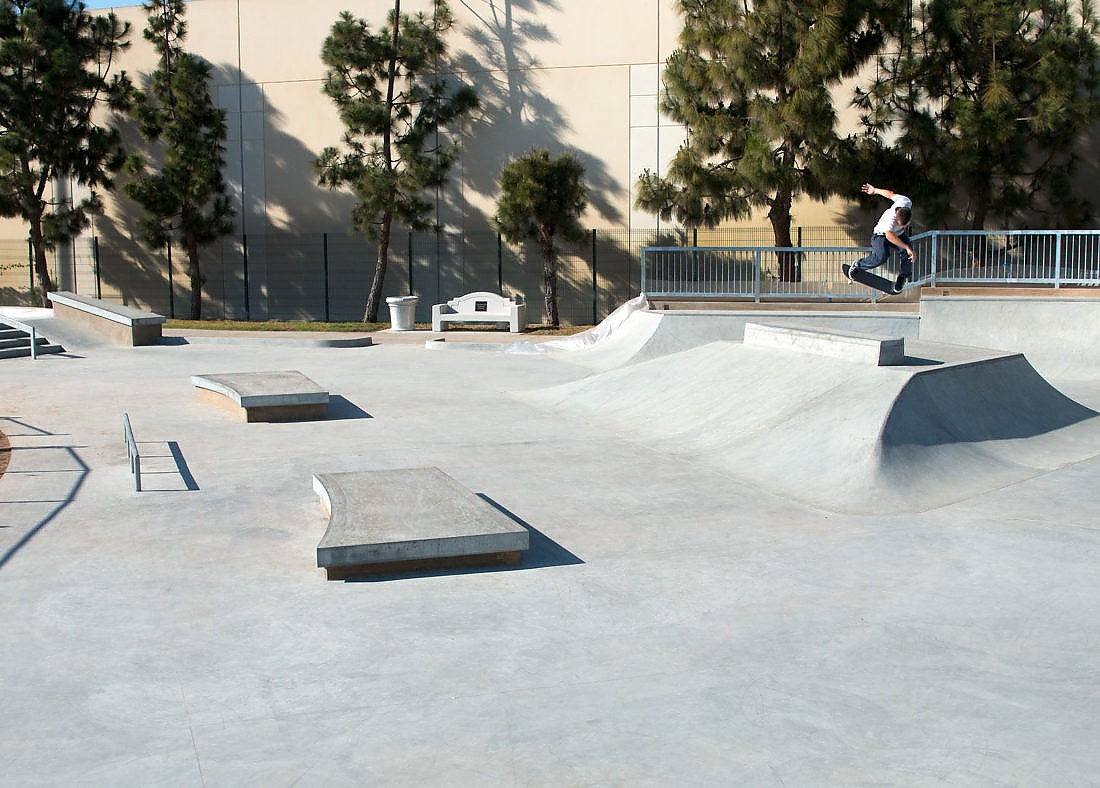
671	625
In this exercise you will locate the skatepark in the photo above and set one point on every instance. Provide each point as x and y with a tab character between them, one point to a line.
748	563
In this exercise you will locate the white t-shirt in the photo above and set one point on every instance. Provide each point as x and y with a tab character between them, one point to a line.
888	221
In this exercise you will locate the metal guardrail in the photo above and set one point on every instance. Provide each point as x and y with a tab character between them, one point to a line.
26	328
132	451
1039	257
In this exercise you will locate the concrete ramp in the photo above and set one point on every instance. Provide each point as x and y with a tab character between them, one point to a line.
650	334
948	424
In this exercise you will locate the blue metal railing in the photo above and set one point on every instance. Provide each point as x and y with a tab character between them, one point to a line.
1039	257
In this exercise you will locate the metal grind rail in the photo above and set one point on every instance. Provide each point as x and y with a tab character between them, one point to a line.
132	451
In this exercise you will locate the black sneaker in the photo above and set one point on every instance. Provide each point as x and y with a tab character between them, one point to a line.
899	284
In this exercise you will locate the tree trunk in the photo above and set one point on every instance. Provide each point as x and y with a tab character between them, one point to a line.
38	245
549	277
790	263
194	274
370	313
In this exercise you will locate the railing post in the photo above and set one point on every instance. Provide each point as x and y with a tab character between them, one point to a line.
756	276
935	257
642	273
1058	260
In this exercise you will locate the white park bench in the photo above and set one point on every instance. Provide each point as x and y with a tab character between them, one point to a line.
481	307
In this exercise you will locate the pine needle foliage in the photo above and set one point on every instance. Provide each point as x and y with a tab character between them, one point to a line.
541	199
56	72
184	194
396	108
985	101
752	82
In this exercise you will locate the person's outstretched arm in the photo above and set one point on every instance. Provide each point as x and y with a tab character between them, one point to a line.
887	193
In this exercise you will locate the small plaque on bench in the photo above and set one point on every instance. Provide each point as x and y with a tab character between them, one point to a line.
481	306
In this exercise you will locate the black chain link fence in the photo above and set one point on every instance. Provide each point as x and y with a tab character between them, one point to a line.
326	277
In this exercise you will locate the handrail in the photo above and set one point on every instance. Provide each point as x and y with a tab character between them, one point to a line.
27	327
1041	257
132	451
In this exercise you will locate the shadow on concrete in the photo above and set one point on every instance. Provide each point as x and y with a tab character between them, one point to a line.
342	409
48	474
542	553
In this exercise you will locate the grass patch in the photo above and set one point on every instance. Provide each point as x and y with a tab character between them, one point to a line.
346	327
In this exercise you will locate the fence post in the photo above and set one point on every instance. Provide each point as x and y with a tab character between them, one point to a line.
244	250
756	276
935	256
171	288
500	265
324	253
595	282
95	264
411	292
1058	260
30	271
641	273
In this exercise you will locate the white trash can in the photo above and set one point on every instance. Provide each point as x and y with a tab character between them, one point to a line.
402	312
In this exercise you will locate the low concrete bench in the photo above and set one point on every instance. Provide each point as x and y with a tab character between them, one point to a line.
849	345
123	325
396	521
264	396
481	307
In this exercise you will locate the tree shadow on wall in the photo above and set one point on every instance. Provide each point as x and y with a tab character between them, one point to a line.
516	115
272	187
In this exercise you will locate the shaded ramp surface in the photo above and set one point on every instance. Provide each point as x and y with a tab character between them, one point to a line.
950	423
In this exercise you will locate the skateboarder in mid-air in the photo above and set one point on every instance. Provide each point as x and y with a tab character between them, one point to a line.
890	236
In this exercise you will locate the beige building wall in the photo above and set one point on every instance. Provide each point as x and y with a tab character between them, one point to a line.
567	75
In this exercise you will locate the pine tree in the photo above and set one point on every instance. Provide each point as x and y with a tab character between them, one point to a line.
540	199
752	83
55	74
984	100
184	196
393	105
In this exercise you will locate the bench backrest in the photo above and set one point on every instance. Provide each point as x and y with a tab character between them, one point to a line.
472	303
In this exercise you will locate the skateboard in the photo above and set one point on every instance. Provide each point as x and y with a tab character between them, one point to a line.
871	280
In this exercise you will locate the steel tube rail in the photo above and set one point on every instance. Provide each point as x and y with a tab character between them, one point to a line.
132	451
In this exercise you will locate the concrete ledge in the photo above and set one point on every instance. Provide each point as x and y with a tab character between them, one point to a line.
847	345
122	325
264	396
410	519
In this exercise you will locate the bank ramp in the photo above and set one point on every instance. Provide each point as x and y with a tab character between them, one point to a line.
946	424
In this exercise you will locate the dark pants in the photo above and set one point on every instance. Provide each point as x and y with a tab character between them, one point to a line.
882	250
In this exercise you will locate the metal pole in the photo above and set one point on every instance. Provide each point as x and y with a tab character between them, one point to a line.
411	292
1058	260
244	249
324	240
500	265
30	270
95	263
595	282
171	286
